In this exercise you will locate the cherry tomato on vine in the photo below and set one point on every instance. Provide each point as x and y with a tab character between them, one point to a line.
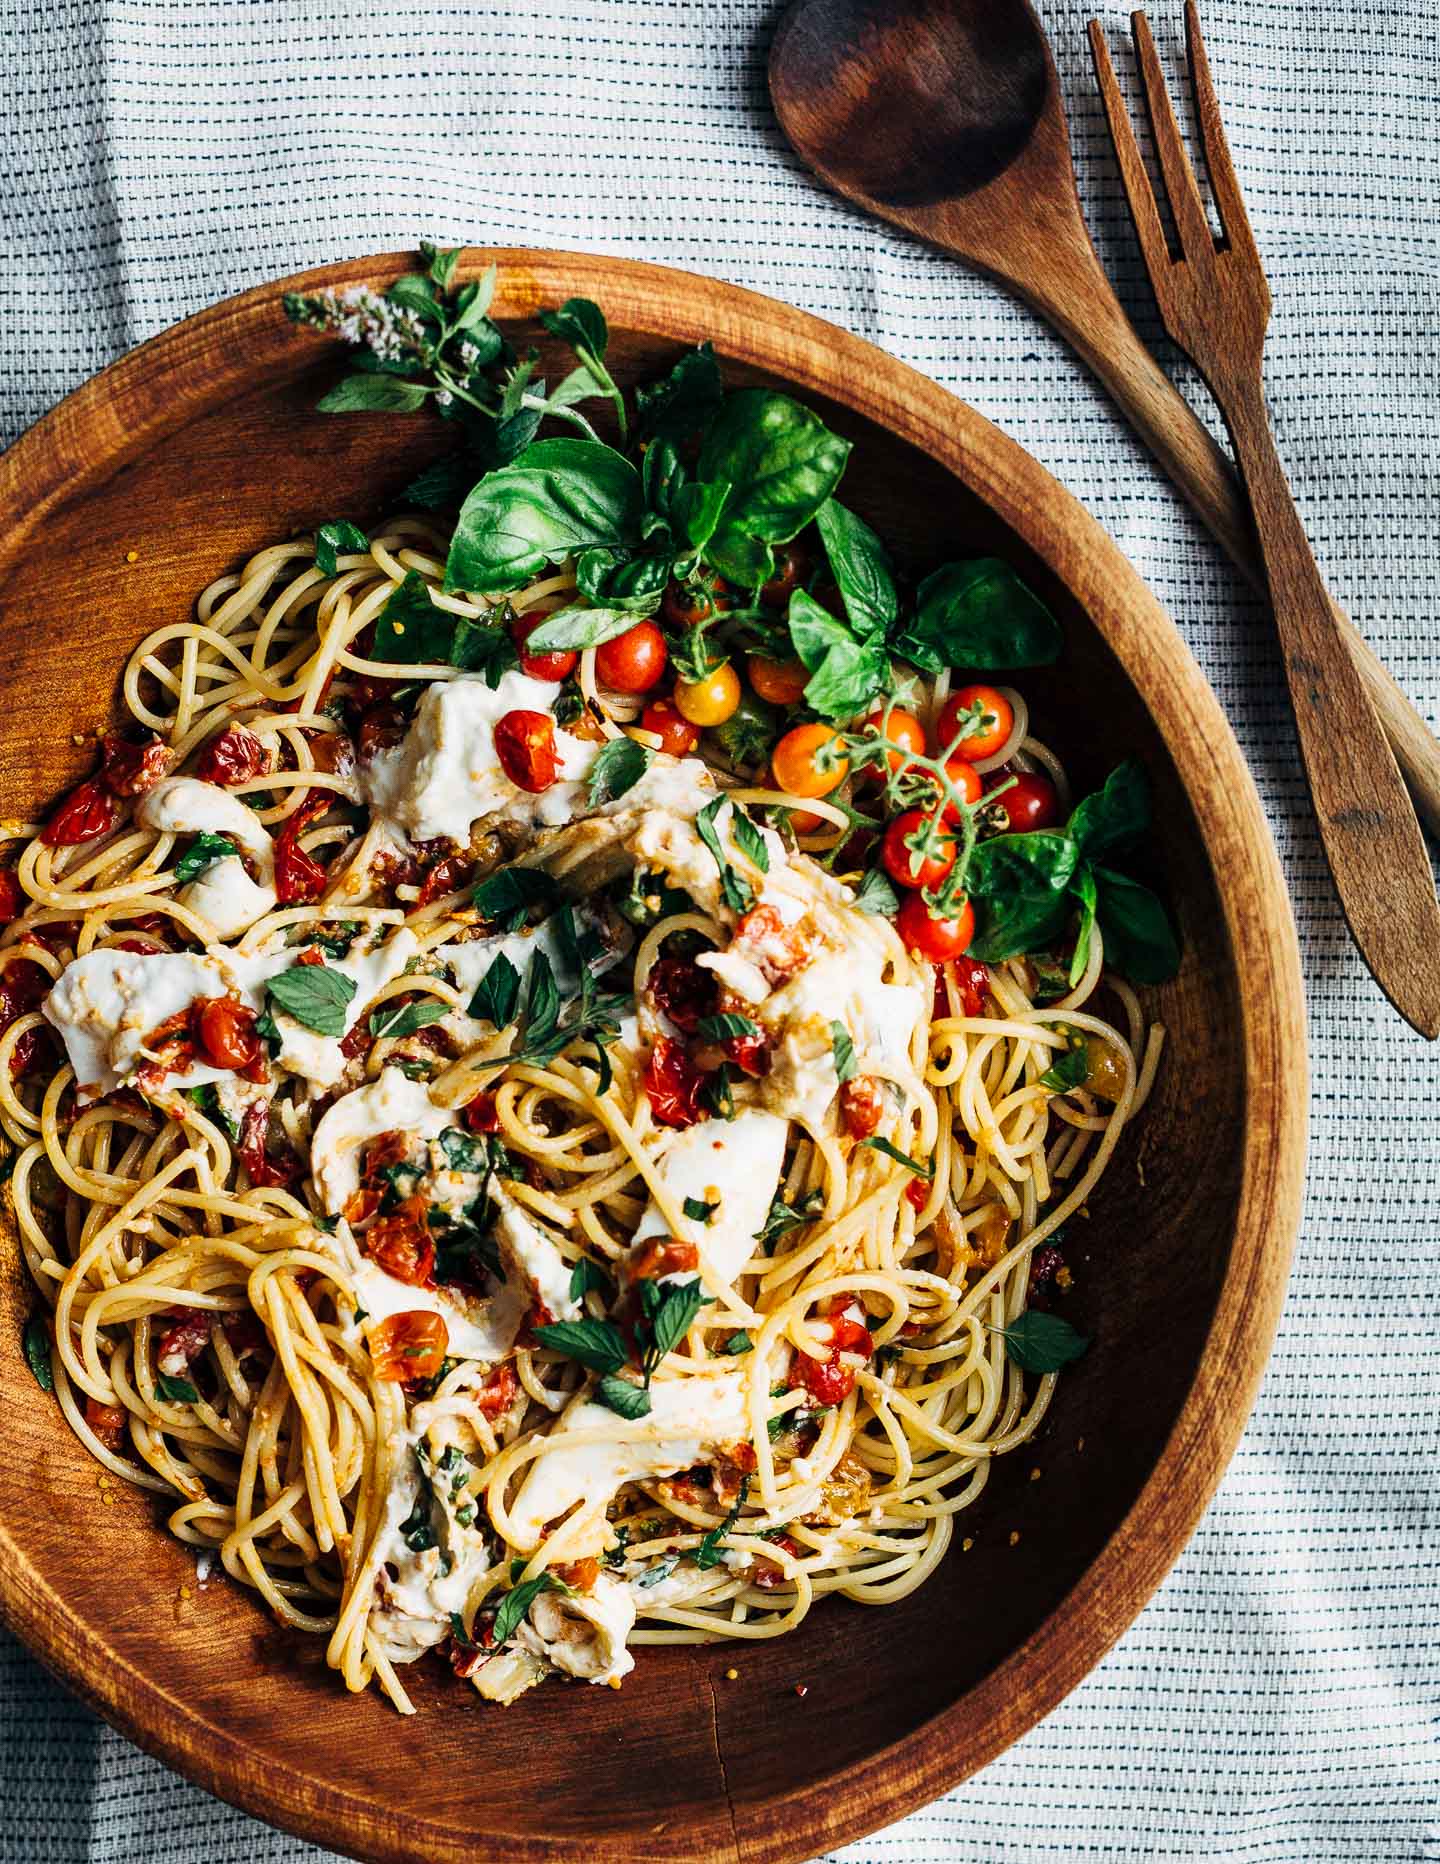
796	766
634	661
782	682
901	728
675	732
1030	802
525	747
709	701
688	606
904	866
996	722
556	666
928	936
792	566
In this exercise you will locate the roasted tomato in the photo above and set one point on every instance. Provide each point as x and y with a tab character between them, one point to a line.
446	876
400	1243
281	1166
829	1381
86	812
224	1031
683	991
673	1084
108	1423
663	1255
34	1049
480	1114
499	1391
381	727
768	1574
917	1193
299	877
526	749
331	751
557	666
131	766
408	1348
862	1103
973	977
12	897
233	756
185	1341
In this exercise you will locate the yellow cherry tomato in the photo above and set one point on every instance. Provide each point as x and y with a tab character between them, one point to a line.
709	701
794	762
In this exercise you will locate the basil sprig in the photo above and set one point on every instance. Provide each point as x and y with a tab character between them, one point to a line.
315	995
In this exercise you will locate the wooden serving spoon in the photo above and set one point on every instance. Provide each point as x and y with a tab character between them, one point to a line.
945	118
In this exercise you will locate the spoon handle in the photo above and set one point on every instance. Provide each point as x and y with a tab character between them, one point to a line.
1083	308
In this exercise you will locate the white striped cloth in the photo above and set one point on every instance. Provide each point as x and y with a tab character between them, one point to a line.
1276	1703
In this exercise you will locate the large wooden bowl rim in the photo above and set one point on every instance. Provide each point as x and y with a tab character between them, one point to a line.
131	405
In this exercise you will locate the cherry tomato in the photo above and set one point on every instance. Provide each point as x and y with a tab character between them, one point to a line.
634	661
444	877
264	1166
86	812
299	877
234	756
672	1084
904	866
556	666
12	899
408	1348
792	566
1028	803
401	1244
185	1341
225	1032
973	977
917	1193
662	1255
966	779
690	606
712	700
525	746
131	766
675	732
901	728
794	762
331	751
380	728
782	682
997	719
683	992
499	1392
861	1106
480	1114
931	937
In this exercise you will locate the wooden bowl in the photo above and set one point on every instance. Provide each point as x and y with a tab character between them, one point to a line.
203	445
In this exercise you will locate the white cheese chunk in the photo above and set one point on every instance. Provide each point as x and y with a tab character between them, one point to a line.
419	1589
189	806
739	1161
531	1259
583	1633
227	897
838	987
672	843
691	1416
394	1103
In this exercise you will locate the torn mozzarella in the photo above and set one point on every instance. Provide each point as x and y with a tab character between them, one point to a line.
394	1103
672	843
531	1259
190	806
420	1589
227	897
475	1328
691	1416
104	1004
841	987
739	1162
302	1051
583	1633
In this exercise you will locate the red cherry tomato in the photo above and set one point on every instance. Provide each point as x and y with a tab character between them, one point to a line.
480	1114
917	1193
675	732
12	899
1029	802
634	661
131	766
234	756
556	666
792	566
778	682
409	1348
86	812
263	1165
904	866
966	779
997	719
931	937
683	992
108	1422
686	606
224	1030
973	977
525	746
672	1084
499	1392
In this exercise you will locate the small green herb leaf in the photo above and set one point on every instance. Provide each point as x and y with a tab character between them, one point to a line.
503	899
516	1604
372	394
585	1277
721	1028
697	1210
749	840
625	1399
316	996
876	895
671	1311
921	1168
619	767
843	1050
684	401
1067	1070
176	1391
598	1344
35	1339
707	1554
979	615
497	995
334	537
407	1019
1140	942
1040	1342
559	497
203	852
735	890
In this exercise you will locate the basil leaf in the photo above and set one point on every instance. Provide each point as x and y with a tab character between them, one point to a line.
497	995
675	1307
1069	1069
1041	1342
735	890
411	631
721	1028
784	1217
442	484
860	566
697	510
560	497
845	672
1017	885
843	1049
1084	889
208	1101
978	614
749	840
372	394
875	894
920	1168
619	767
203	852
697	1210
176	1391
315	996
465	1151
623	1398
483	647
743	560
407	1019
573	628
334	537
738	1342
581	324
516	1603
542	1001
1115	816
598	1344
1139	939
584	1277
707	1554
35	1339
781	460
504	898
440	265
684	401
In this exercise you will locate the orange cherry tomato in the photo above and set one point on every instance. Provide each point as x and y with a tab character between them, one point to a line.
525	747
407	1348
966	779
929	936
794	762
904	866
556	666
782	682
709	701
634	661
401	1244
901	728
996	722
675	732
224	1030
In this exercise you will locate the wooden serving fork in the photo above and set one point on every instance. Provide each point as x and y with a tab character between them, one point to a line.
1216	305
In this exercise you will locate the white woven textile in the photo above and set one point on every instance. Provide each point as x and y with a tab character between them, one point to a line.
1275	1704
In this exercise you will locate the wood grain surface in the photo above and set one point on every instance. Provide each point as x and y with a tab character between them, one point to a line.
200	447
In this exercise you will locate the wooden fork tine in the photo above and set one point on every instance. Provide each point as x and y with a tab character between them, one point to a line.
1143	208
1180	185
1223	183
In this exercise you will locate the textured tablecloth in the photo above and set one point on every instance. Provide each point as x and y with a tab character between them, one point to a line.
1276	1701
